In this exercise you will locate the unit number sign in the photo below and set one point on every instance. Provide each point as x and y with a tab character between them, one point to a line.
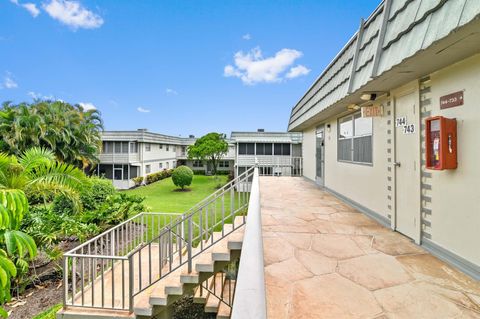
409	129
402	122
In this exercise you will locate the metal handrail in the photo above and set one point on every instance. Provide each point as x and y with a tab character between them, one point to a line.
119	226
121	250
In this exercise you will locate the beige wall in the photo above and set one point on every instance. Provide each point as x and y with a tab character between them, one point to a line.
364	184
455	220
308	153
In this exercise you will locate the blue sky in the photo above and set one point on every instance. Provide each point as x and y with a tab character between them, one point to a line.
175	67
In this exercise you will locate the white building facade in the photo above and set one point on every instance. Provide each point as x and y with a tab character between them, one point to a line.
371	124
129	154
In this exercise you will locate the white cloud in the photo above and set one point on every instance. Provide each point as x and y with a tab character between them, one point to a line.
30	7
171	92
40	96
252	67
297	71
73	14
246	36
9	82
34	95
142	110
87	106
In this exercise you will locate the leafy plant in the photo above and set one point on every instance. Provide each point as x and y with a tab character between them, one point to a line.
70	132
138	180
158	176
210	147
182	176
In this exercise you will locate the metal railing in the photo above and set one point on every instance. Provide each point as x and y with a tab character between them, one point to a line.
280	167
109	270
91	269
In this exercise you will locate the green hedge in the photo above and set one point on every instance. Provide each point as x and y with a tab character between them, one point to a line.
158	176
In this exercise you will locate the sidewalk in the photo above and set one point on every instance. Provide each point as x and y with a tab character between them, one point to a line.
324	259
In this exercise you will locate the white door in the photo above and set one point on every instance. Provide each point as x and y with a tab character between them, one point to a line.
407	166
320	155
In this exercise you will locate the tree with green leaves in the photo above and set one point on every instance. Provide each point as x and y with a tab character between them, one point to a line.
34	171
70	132
209	148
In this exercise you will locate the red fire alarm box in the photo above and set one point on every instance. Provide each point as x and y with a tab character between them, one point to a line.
441	143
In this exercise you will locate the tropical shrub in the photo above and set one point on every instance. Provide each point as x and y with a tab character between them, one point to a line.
69	131
48	227
182	176
94	196
138	180
115	209
158	176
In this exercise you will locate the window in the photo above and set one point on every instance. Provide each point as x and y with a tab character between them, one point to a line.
148	169
264	148
124	147
183	150
355	139
174	164
133	147
281	149
167	147
161	146
160	165
174	148
147	147
107	147
117	147
168	163
197	164
224	164
246	148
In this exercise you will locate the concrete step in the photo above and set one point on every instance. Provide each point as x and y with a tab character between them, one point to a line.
213	302
163	293
224	311
75	313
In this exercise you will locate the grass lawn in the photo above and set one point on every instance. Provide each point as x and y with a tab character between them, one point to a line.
162	197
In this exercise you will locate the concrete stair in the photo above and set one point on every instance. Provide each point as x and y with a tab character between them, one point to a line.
159	297
212	302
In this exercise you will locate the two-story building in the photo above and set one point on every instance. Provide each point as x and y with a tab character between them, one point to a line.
128	154
277	153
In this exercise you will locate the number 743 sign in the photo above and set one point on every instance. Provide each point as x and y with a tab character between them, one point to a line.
402	122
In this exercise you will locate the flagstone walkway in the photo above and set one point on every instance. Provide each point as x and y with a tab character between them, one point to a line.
324	259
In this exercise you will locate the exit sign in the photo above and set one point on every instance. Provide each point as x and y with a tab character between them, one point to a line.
451	100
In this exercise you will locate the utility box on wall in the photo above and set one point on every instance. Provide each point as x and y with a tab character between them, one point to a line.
441	143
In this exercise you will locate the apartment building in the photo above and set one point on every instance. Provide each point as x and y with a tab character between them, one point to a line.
277	153
128	154
392	124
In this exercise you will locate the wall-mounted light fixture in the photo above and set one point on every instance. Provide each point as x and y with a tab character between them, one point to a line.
328	127
368	96
353	107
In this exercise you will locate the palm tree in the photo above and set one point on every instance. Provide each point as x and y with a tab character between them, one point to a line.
72	133
36	170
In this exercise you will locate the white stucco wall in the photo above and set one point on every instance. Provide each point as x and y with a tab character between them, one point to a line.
364	184
455	220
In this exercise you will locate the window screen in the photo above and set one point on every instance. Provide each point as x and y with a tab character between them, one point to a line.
355	139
